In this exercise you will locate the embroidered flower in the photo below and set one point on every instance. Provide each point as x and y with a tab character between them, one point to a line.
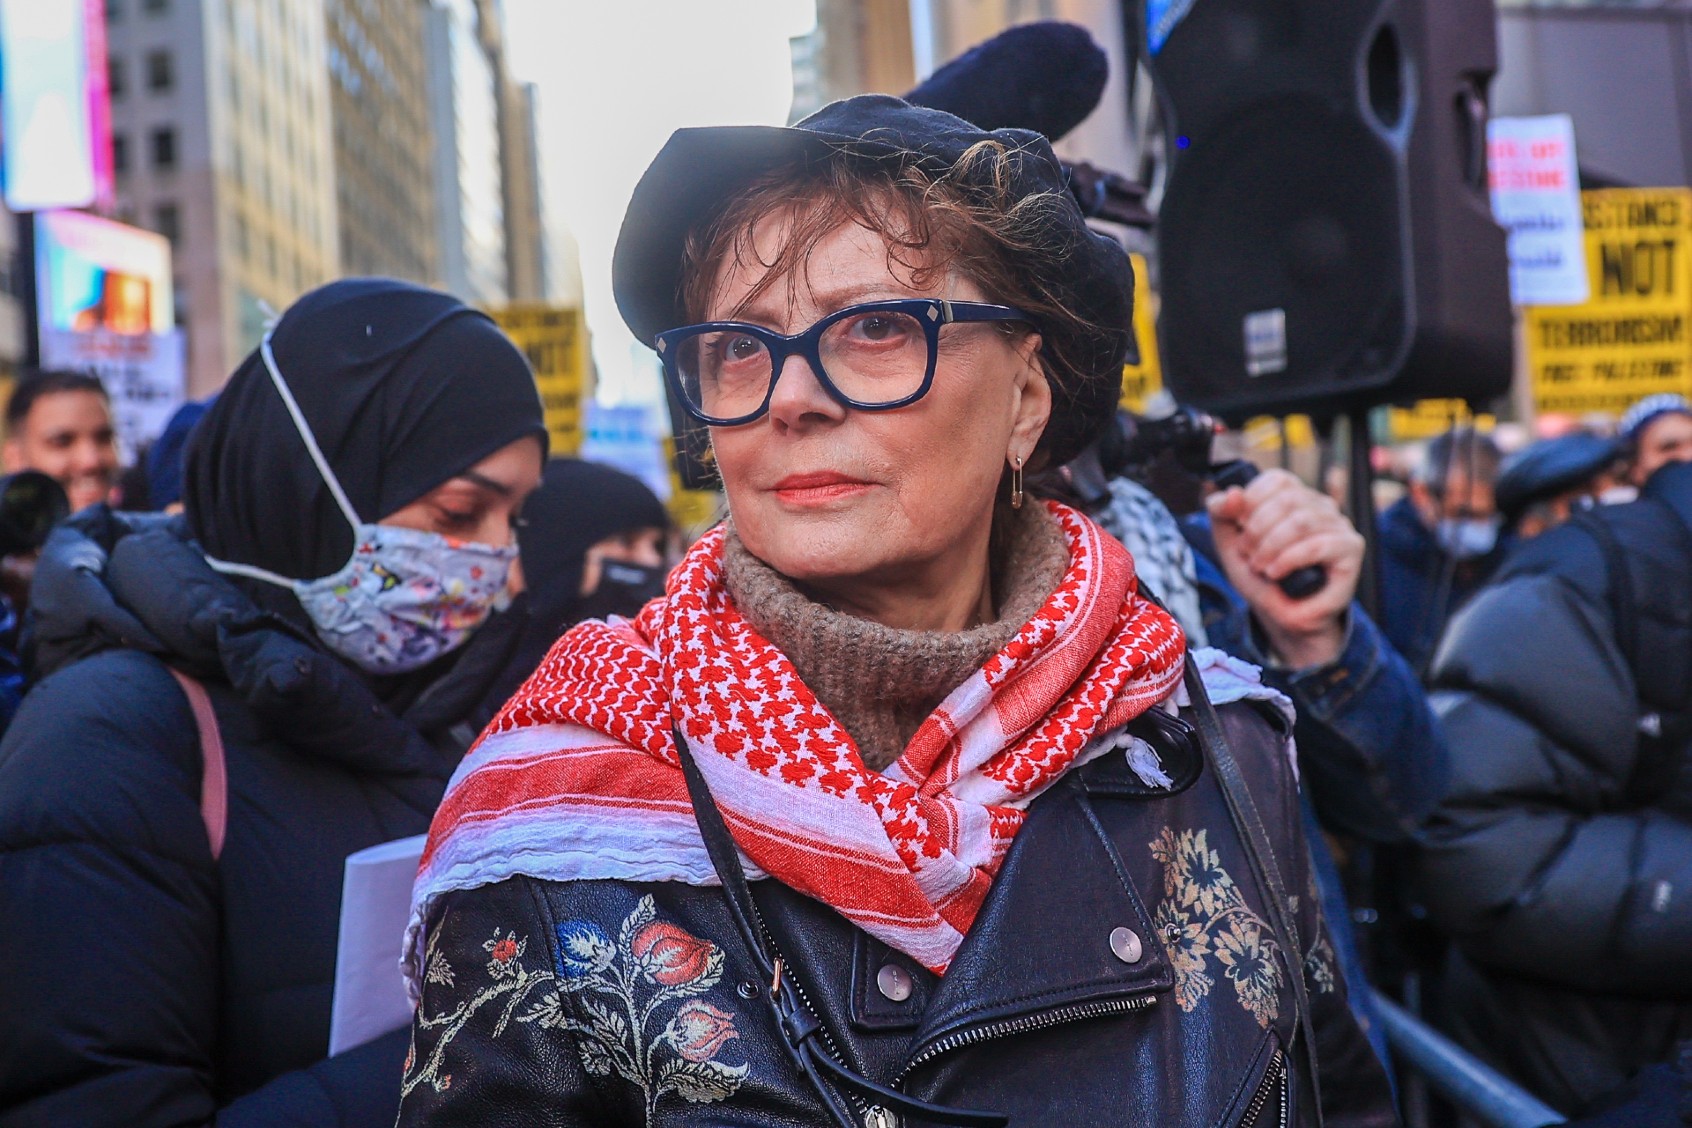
439	971
1204	915
503	953
1251	967
1319	966
1188	944
624	993
699	1030
583	949
671	956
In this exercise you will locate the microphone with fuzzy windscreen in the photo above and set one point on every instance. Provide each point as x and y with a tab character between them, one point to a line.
1046	77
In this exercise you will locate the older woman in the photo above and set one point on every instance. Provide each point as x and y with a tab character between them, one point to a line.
883	813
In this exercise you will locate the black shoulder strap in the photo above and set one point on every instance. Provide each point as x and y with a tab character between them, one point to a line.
1242	810
798	1026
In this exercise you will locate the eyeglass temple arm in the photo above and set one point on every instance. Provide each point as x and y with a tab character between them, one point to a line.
951	311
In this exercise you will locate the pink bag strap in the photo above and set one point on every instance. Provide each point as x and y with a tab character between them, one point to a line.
214	779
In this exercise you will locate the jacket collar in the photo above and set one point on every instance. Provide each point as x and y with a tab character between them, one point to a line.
1041	947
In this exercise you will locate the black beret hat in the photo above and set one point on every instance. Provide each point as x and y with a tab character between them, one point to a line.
1550	467
698	173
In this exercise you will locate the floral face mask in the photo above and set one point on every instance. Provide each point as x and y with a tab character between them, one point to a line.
405	597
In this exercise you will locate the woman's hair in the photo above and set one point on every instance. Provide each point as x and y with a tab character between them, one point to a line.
969	218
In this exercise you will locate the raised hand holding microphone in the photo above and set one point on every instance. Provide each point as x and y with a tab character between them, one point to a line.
1272	528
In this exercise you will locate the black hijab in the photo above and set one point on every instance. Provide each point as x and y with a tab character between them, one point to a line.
403	387
577	505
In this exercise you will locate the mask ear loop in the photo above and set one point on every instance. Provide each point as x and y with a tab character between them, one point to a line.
251	571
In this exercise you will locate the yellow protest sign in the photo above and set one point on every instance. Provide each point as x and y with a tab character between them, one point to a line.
1263	434
1141	381
692	510
554	338
1631	339
1427	418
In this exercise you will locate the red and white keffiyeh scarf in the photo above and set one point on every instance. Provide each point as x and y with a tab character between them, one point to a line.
577	777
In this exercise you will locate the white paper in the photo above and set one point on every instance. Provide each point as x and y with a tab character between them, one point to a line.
370	997
1535	183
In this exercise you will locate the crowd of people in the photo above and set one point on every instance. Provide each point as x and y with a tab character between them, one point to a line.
946	780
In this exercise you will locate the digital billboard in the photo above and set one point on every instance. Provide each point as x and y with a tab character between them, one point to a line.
97	274
55	112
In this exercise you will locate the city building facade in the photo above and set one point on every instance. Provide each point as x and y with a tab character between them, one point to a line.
464	115
384	151
525	222
222	143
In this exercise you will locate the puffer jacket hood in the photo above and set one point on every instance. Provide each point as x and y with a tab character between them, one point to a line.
110	580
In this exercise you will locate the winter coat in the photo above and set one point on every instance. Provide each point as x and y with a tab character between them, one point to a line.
1561	858
1120	971
1416	602
142	983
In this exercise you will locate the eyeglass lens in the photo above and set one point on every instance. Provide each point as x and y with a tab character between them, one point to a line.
875	357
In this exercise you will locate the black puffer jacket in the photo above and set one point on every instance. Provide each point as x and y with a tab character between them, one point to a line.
140	983
1120	971
1561	859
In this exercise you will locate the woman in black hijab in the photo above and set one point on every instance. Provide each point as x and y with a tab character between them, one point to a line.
167	930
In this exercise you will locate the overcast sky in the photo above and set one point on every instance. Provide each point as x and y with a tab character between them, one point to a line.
616	78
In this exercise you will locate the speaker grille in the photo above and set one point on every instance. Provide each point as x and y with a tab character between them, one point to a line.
1291	204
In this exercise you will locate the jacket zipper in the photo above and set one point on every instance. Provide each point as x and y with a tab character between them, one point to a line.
1022	1026
1274	1078
862	1108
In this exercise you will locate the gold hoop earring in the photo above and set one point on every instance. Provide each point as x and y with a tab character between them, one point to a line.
1016	482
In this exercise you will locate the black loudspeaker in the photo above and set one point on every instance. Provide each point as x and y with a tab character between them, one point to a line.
1326	241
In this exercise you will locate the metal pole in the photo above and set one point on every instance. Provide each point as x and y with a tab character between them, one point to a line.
24	285
1360	495
1475	1088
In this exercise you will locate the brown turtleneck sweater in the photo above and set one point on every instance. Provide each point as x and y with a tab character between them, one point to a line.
880	682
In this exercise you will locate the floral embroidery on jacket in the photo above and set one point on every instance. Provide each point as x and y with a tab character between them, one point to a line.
510	983
644	1018
639	997
1203	916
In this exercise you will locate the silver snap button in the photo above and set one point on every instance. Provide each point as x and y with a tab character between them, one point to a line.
894	982
1125	945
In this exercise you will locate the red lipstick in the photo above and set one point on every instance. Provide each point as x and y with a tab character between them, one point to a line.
817	487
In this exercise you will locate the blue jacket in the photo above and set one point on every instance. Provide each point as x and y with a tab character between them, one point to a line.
1414	609
1371	755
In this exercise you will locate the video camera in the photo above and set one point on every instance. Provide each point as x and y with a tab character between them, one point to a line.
1186	436
31	503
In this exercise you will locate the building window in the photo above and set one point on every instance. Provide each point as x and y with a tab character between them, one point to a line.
155	7
120	153
164	148
167	221
161	75
241	241
114	77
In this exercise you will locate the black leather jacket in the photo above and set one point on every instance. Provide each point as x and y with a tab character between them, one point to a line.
1121	971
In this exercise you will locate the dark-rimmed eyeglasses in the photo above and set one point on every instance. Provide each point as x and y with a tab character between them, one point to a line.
874	356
